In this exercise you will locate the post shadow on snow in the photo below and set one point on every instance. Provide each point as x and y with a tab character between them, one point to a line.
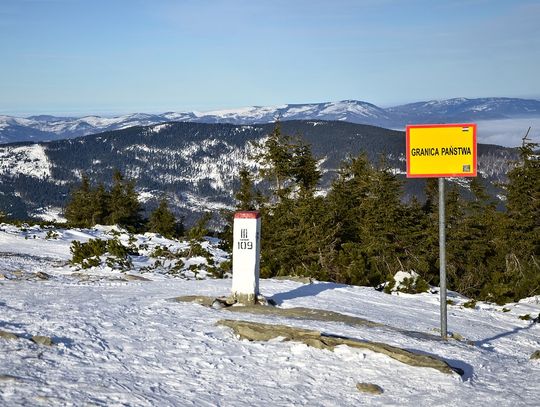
307	290
485	343
67	342
10	325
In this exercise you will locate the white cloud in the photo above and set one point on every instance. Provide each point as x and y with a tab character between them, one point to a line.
508	132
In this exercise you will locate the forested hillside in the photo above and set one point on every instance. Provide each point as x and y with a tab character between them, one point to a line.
196	165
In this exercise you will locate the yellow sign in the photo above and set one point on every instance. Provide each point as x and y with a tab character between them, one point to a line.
441	150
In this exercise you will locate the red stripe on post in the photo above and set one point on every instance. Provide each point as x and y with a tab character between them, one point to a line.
247	215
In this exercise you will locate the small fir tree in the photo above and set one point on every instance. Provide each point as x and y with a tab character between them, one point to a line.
162	220
79	209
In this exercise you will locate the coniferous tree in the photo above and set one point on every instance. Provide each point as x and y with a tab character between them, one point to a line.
521	277
348	191
245	196
100	205
275	158
297	238
200	229
78	211
124	207
418	247
162	220
523	203
487	252
304	171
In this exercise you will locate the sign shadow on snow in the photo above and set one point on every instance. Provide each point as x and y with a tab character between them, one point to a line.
67	342
308	290
486	343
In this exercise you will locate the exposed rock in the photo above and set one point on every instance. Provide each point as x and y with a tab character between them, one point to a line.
536	354
198	299
7	335
370	388
82	276
8	378
245	299
132	277
223	302
42	340
311	314
255	331
42	276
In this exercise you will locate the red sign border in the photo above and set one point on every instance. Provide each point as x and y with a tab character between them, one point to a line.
459	175
247	215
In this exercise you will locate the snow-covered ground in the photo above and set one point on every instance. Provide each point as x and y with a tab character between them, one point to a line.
124	342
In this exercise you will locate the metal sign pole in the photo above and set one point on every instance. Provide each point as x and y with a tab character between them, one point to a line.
442	257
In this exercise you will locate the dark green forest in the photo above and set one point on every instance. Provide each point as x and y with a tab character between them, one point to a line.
362	232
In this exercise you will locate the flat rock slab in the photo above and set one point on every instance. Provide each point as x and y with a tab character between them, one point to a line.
369	388
535	354
197	299
42	340
133	277
255	331
7	335
8	378
311	314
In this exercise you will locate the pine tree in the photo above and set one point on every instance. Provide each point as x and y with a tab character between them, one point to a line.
304	171
523	203
367	210
245	196
100	205
347	193
78	211
200	229
162	220
275	158
124	207
521	277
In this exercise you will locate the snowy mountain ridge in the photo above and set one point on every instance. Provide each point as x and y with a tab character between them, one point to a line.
45	127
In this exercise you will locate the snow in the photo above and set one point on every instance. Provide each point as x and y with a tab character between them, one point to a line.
159	127
120	342
49	214
28	160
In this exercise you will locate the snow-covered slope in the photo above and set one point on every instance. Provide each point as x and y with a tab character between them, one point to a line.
45	127
120	341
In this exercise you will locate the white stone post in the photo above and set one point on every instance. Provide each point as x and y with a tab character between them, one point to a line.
246	256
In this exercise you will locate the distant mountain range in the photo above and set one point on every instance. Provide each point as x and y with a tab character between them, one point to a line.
196	164
42	128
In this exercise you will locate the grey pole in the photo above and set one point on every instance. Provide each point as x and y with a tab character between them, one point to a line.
442	257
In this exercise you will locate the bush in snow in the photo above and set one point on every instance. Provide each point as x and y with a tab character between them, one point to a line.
406	282
90	254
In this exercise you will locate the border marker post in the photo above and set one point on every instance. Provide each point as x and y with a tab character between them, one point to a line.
246	256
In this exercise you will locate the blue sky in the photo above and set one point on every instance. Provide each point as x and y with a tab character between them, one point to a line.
110	57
